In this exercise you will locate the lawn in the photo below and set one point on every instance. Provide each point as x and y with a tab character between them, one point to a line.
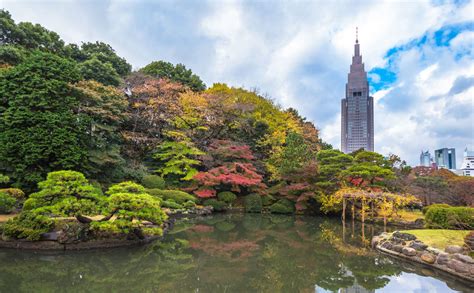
440	238
410	216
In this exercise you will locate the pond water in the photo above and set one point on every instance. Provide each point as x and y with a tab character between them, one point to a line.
229	253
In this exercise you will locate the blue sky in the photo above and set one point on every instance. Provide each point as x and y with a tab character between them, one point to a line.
418	54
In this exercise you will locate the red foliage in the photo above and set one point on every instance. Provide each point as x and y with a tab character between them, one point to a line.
229	150
205	193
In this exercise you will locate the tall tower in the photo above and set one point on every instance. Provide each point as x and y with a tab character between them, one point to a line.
357	109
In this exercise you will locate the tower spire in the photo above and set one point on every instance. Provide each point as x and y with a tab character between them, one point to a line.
357	35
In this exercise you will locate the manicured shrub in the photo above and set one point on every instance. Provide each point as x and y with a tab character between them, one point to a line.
450	217
189	204
283	206
171	204
218	205
177	196
153	181
267	200
14	192
29	225
227	197
253	203
7	203
126	187
442	205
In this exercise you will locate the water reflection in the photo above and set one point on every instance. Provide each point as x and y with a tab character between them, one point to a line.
228	253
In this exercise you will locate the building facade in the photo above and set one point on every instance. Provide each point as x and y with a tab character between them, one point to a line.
467	166
357	108
445	158
425	159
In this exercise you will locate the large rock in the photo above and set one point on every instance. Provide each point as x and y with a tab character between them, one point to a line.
387	245
418	245
409	251
428	258
458	266
397	248
375	241
442	258
454	249
464	258
404	236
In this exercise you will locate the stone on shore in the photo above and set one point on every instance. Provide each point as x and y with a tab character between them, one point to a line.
428	258
464	258
458	266
404	236
418	245
442	258
454	249
409	251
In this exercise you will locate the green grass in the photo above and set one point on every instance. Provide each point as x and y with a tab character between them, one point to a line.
440	238
410	216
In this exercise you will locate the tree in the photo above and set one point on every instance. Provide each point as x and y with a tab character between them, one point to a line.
178	73
105	54
38	130
369	169
177	159
97	70
331	163
295	155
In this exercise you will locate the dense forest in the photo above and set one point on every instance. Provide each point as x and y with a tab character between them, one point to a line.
82	108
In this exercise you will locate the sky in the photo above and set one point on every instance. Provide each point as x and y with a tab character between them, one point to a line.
418	55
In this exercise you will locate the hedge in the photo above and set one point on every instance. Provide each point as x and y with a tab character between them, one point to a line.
218	205
7	203
171	204
253	203
227	197
153	181
450	217
442	205
177	196
14	192
283	206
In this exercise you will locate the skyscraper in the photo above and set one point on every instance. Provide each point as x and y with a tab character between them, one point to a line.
468	163
425	159
357	109
445	158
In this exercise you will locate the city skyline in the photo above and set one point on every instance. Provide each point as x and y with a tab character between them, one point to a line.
420	71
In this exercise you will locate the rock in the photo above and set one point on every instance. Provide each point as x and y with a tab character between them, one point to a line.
404	236
387	245
397	248
442	258
396	240
50	236
464	258
375	241
418	245
434	251
454	249
458	266
469	240
409	251
428	258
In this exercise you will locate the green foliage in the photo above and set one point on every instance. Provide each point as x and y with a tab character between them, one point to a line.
283	206
126	187
29	225
331	164
368	169
4	179
267	200
38	131
189	204
217	205
171	204
14	192
450	217
153	181
99	71
253	203
438	205
295	155
227	197
11	55
177	158
106	55
177	73
177	196
7	203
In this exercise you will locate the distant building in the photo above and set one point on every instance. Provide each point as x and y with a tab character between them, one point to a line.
445	158
357	108
425	159
467	166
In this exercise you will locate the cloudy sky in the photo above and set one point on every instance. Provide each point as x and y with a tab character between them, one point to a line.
418	54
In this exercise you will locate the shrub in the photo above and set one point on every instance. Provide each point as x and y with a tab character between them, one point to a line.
283	206
218	205
7	203
177	196
442	205
253	203
29	225
227	197
450	217
171	204
189	204
14	192
126	187
153	181
267	200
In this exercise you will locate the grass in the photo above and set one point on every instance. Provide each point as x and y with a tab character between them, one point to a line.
440	238
410	216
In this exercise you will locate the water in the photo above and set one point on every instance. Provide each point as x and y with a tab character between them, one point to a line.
229	253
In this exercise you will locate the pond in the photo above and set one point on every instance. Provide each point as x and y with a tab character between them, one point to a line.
229	253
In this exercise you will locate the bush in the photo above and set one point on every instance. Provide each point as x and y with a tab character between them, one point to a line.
218	205
227	197
126	187
29	225
441	205
153	181
253	203
14	192
189	204
267	200
7	203
450	217
171	204
283	206
177	196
